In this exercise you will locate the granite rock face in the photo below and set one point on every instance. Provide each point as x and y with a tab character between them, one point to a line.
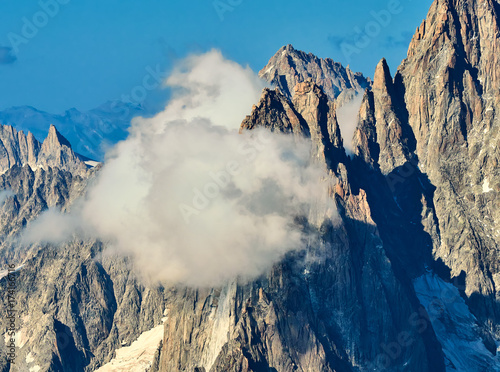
404	278
454	65
321	316
440	148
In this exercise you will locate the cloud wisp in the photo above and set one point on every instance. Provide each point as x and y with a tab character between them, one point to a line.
347	115
192	200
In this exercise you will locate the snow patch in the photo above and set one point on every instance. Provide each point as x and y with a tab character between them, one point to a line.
486	186
4	273
92	163
37	167
29	358
139	356
220	328
35	369
269	70
455	326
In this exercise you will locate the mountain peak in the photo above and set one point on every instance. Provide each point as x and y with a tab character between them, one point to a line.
289	66
56	151
382	78
288	48
56	139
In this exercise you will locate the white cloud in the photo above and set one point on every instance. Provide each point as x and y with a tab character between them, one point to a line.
52	227
347	116
193	201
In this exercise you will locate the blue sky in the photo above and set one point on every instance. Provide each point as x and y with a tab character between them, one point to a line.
82	53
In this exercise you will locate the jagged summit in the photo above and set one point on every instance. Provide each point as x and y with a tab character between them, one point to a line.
276	112
382	78
289	66
17	148
55	139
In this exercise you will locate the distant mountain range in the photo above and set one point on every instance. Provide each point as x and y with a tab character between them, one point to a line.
90	132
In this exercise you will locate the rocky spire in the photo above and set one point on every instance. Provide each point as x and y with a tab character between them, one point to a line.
33	148
16	148
365	137
392	143
56	152
54	140
380	137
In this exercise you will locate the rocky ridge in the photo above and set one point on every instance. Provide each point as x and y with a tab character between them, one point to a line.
19	149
